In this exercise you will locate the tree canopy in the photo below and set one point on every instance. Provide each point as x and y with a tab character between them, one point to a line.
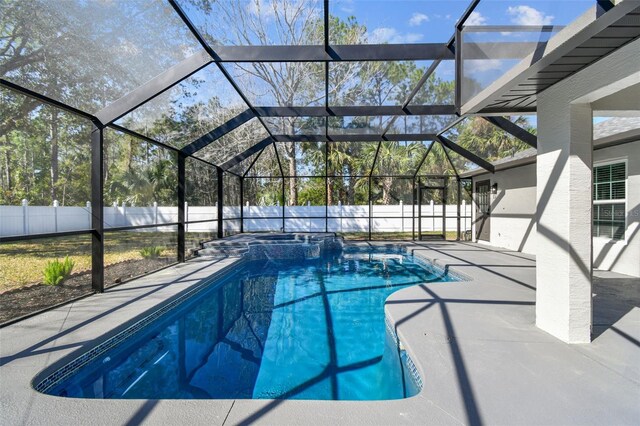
45	152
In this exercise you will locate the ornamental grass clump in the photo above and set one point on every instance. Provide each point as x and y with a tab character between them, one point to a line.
56	271
151	252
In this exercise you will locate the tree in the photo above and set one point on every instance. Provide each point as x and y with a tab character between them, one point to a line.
53	49
490	142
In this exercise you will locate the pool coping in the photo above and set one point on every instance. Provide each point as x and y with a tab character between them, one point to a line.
72	363
37	343
69	365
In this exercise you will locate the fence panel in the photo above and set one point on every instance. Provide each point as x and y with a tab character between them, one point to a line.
24	220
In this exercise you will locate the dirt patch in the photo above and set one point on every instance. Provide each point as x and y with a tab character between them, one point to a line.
24	300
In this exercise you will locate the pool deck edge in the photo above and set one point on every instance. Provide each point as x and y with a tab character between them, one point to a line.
481	358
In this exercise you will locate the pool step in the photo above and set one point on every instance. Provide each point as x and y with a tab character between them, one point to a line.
222	248
274	247
222	251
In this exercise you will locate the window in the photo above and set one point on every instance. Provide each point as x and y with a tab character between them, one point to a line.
609	200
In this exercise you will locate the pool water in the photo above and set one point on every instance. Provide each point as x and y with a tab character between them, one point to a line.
312	329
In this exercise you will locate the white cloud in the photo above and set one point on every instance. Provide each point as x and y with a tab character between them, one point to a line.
526	15
412	38
347	6
482	65
476	18
261	9
417	19
391	35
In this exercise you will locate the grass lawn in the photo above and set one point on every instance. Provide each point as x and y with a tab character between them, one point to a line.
22	263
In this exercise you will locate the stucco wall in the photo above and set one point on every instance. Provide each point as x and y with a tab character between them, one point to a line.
513	214
513	208
622	256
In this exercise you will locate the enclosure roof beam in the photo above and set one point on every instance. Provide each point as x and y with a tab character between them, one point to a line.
154	87
142	137
253	162
423	159
334	53
247	153
218	132
356	137
355	111
451	125
414	92
514	130
364	52
275	149
446	154
466	154
375	159
460	23
212	53
47	100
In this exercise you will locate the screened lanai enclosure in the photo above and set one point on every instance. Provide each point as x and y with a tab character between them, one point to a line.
133	131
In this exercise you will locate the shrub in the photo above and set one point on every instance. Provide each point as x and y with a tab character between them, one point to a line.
56	271
151	252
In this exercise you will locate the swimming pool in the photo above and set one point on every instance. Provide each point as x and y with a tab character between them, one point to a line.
303	329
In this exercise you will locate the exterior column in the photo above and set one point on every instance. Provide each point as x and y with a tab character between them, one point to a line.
181	207
97	210
564	188
241	205
220	177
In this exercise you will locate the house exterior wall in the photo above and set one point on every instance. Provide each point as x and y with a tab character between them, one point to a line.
513	212
513	208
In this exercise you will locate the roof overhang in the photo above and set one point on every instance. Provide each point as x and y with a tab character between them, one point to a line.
583	42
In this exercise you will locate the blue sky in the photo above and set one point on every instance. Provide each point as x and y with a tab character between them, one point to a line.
427	21
408	21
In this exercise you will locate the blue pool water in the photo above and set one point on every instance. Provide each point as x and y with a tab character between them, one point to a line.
311	329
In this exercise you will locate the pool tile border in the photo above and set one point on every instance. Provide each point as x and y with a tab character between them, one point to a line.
76	364
72	367
405	357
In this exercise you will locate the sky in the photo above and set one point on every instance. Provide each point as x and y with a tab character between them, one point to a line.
421	21
429	21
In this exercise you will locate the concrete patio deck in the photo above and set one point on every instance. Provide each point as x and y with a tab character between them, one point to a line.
481	357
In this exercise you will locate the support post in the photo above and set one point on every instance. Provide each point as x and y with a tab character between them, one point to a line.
25	216
220	177
181	207
419	193
413	209
459	200
284	205
444	208
241	205
564	255
370	209
326	184
56	204
97	211
88	209
458	70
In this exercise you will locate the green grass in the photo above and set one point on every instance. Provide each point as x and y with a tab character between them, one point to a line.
23	263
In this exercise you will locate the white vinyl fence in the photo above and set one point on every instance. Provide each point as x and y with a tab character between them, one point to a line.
344	218
26	219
